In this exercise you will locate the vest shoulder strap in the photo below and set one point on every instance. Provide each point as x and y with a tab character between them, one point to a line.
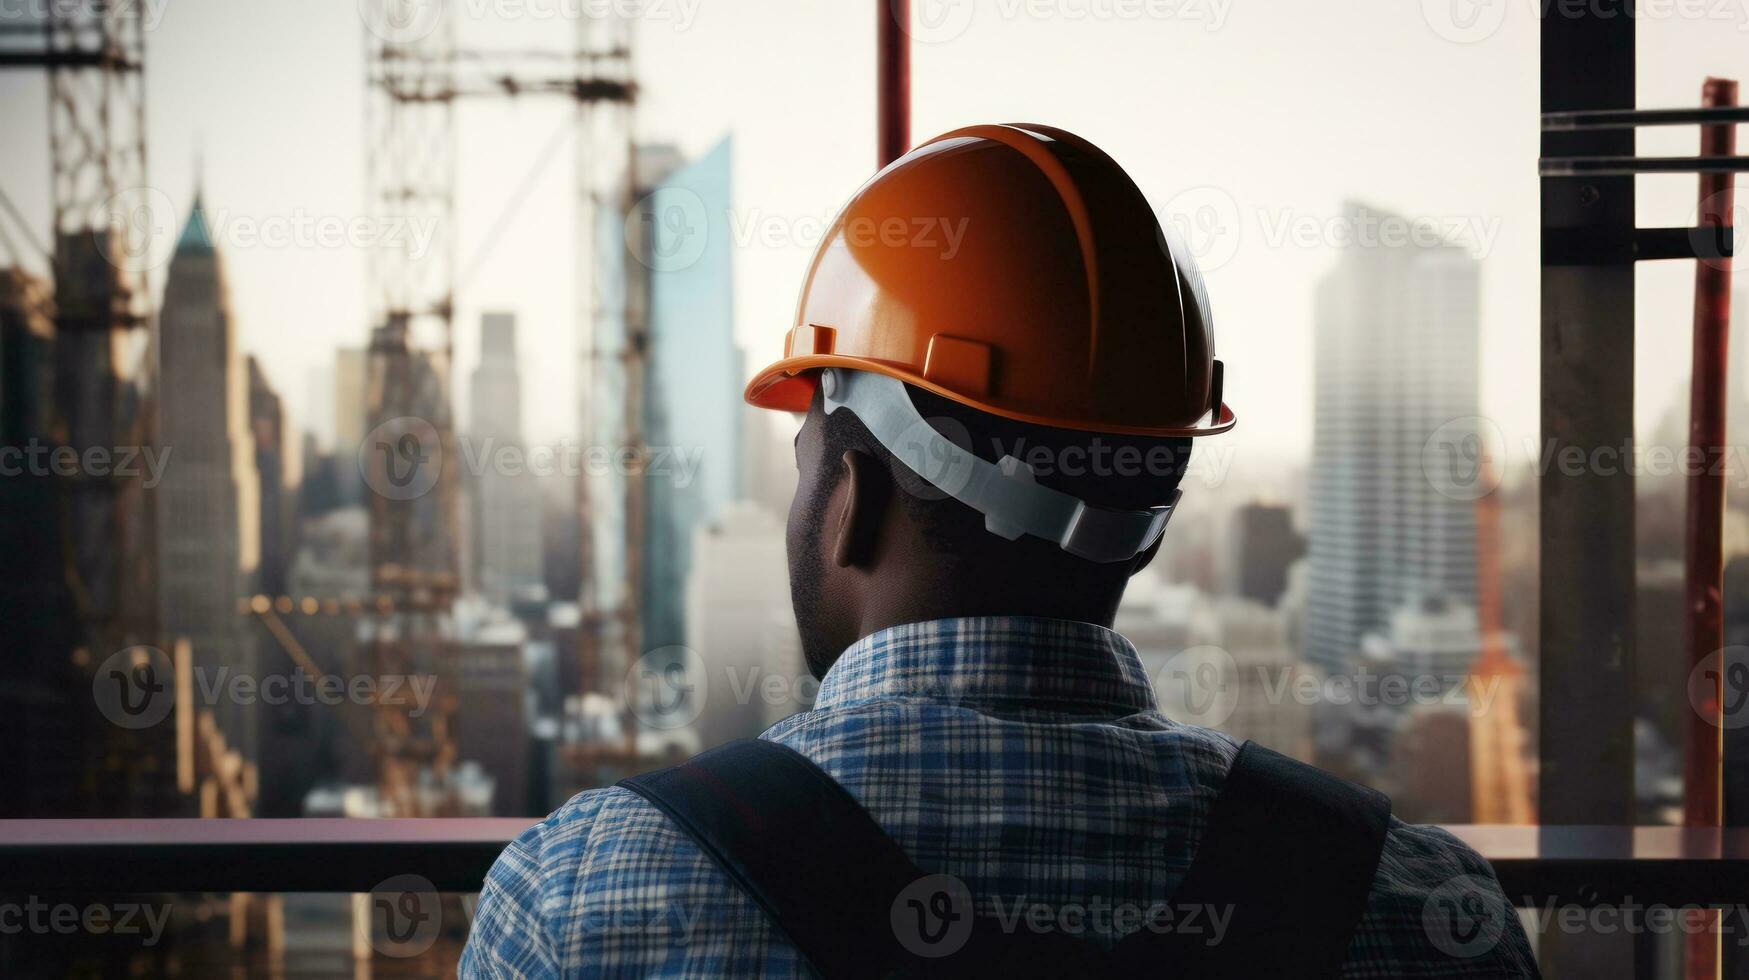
1285	868
1288	858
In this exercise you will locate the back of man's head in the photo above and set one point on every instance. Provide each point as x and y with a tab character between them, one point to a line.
915	553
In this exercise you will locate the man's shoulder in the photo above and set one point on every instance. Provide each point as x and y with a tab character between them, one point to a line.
599	830
607	880
1436	909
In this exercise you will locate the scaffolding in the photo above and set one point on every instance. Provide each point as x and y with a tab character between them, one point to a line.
102	220
416	73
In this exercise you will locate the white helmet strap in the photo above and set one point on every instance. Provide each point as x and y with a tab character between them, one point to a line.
1006	492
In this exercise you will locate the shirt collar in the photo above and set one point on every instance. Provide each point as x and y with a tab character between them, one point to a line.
993	658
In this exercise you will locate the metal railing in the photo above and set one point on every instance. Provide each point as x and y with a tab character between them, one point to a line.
1568	865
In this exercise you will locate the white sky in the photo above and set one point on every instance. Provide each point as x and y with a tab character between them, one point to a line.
1273	112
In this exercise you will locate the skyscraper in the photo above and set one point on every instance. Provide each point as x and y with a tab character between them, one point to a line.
1267	547
507	522
351	384
737	603
267	426
208	500
693	379
1395	358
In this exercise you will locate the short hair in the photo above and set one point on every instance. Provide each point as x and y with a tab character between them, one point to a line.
1120	471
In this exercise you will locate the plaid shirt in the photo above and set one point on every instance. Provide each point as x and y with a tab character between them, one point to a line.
1027	757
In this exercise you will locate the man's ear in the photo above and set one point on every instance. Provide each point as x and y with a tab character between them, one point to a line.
864	507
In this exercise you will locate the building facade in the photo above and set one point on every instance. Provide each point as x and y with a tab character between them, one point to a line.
508	549
209	497
1395	365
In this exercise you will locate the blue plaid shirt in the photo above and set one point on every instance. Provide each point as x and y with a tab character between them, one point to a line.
1027	757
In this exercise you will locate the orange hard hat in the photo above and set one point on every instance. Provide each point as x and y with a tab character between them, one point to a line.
1015	269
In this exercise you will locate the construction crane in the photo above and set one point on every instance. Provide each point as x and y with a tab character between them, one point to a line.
416	73
94	57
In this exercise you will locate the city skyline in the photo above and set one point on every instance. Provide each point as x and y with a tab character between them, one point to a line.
790	177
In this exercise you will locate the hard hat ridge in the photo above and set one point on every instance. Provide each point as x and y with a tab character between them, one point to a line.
1017	270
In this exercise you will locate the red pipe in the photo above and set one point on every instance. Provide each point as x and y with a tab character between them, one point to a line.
893	78
1706	488
1704	625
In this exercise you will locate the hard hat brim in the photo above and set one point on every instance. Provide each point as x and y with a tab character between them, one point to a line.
789	384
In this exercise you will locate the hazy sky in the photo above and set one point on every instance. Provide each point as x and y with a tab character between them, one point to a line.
1260	117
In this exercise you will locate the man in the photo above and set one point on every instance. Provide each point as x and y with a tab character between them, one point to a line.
1003	361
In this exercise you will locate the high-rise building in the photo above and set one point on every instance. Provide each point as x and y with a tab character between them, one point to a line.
738	604
1431	639
1222	664
693	378
1395	360
507	514
351	391
351	376
208	500
1264	668
492	729
1267	547
1430	758
267	426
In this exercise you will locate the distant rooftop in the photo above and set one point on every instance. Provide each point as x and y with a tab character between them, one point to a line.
197	233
